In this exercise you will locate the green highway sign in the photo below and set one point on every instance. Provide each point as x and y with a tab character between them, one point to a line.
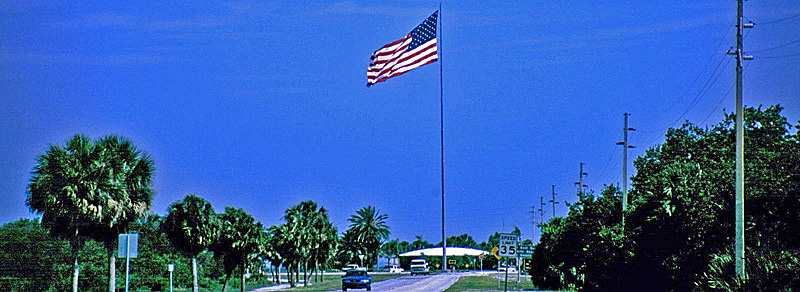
525	250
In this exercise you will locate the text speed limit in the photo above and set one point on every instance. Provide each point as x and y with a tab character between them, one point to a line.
508	245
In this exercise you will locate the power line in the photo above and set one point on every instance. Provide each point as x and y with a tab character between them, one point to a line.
779	20
706	88
778	57
699	95
602	175
775	47
722	34
723	97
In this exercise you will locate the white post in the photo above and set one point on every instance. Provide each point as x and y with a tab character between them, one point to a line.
127	259
171	268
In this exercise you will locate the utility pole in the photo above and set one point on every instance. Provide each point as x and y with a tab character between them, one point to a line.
739	199
553	201
541	210
533	224
625	147
580	182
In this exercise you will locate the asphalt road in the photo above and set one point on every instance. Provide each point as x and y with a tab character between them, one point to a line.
422	283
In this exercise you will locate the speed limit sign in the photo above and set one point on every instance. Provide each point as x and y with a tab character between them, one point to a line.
508	245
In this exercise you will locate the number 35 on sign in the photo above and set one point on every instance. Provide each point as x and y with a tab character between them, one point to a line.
508	245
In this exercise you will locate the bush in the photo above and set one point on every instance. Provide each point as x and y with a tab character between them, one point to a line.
766	271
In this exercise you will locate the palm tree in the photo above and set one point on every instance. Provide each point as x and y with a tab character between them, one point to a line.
314	235
91	190
420	243
191	227
240	236
271	251
369	229
393	248
284	242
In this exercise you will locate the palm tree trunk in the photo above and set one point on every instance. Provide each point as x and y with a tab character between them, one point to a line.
305	272
76	269
75	272
243	284
276	270
195	286
289	275
225	285
112	272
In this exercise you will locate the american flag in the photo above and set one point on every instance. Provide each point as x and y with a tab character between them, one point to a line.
416	49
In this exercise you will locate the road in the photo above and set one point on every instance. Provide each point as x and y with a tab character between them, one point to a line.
422	283
436	282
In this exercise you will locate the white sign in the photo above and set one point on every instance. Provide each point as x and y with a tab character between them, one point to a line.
128	245
508	245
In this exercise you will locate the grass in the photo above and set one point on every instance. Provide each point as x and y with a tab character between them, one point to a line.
488	283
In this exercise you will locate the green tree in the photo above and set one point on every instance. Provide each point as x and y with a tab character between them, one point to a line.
272	251
149	269
419	243
393	248
30	257
192	227
283	242
463	240
682	208
326	242
239	238
679	232
368	229
306	241
91	190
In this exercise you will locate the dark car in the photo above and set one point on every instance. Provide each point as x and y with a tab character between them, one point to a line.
356	279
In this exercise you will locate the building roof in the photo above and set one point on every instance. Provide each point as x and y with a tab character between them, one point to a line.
451	251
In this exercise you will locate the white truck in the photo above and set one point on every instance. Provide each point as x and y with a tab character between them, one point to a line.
419	266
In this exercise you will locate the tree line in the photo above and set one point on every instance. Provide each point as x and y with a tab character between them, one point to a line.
88	192
678	230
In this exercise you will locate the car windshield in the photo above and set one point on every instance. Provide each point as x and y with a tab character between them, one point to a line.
355	273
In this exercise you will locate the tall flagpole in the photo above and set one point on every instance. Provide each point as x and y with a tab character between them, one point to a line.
441	124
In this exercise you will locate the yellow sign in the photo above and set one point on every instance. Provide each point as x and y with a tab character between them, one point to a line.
451	262
494	252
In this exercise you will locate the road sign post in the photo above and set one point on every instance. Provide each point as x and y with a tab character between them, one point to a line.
170	267
507	248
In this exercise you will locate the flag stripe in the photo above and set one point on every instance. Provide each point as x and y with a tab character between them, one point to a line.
431	45
416	49
404	60
409	60
403	72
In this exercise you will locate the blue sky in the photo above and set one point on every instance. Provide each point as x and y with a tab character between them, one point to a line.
262	105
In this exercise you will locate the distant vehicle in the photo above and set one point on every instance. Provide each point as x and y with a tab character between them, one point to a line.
351	267
511	269
419	266
356	279
393	269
